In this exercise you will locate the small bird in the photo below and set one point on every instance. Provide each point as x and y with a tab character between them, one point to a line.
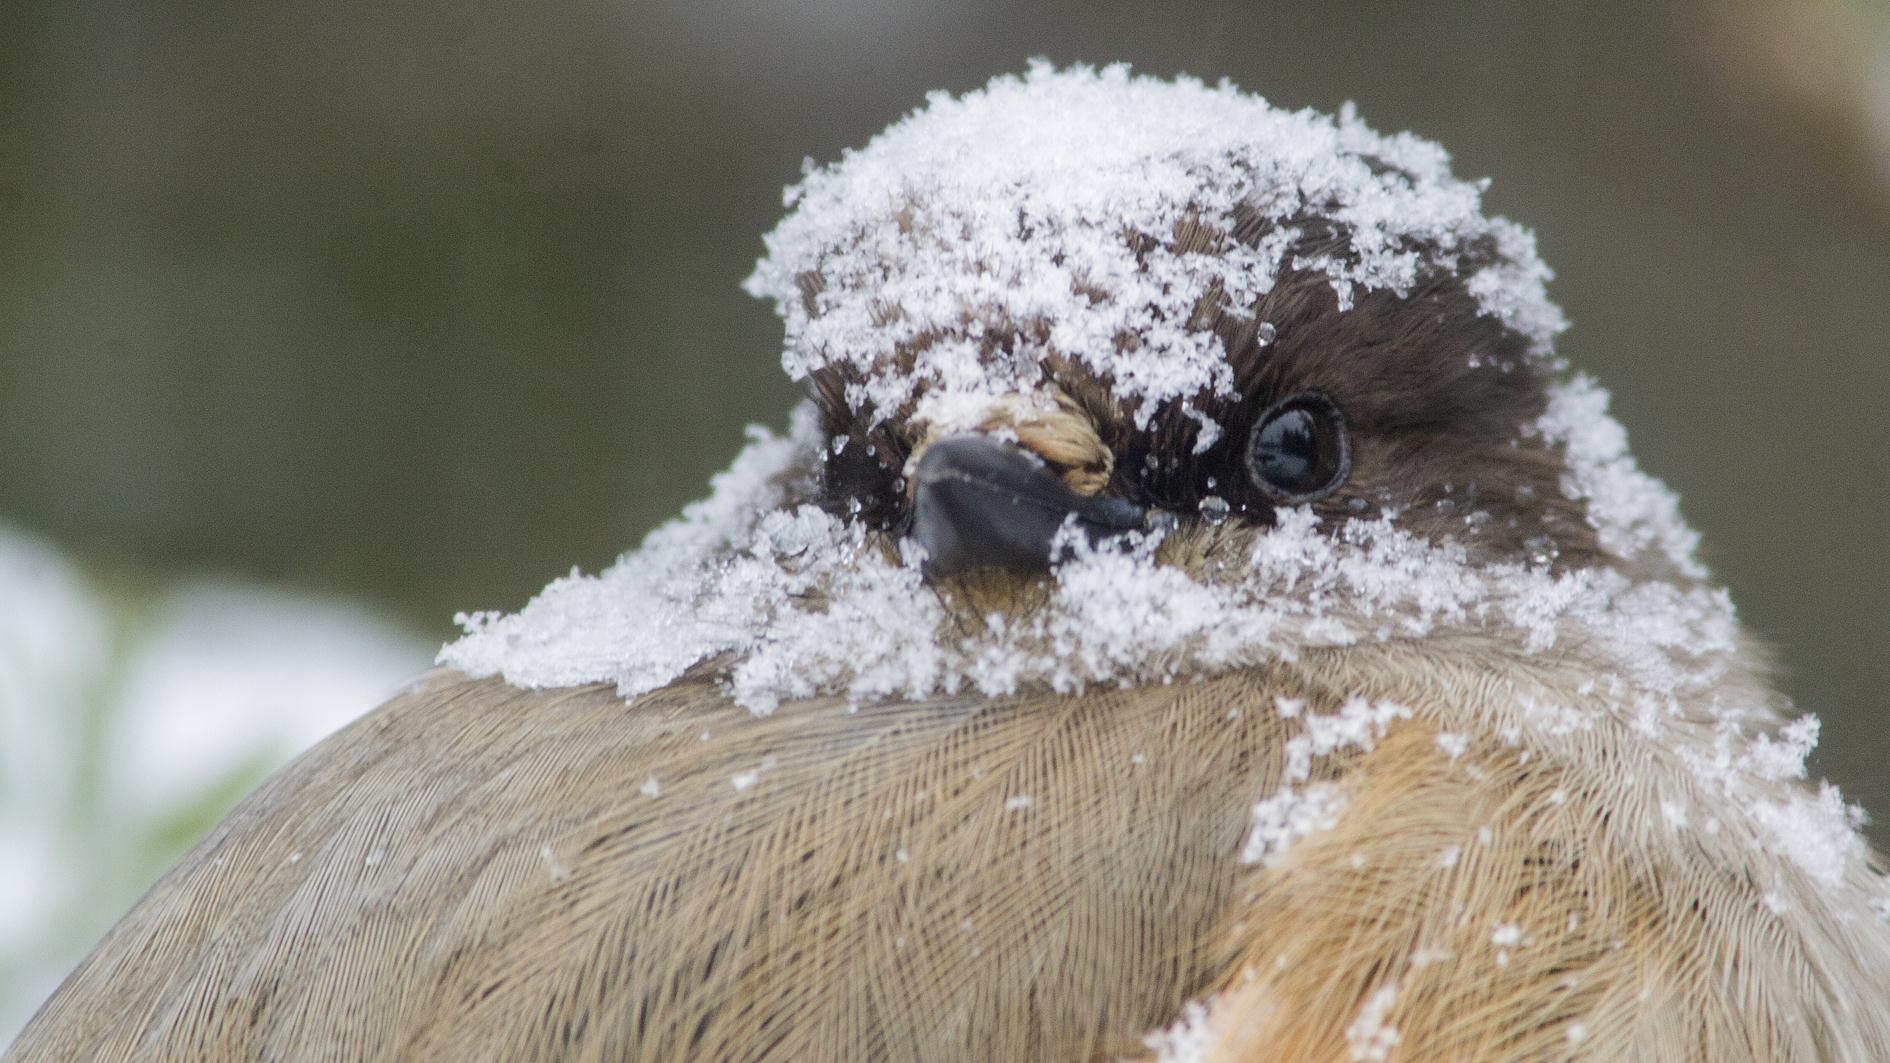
1197	615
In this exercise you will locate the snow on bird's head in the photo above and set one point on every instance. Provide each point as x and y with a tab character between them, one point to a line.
1044	209
1150	247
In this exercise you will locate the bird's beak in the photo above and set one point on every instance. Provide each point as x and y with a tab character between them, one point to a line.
979	502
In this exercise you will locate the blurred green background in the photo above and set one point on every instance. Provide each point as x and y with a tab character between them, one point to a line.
424	304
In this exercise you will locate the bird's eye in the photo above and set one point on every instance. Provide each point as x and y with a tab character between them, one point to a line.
1299	451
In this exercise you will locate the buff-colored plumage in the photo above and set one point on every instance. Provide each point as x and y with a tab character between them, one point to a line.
476	872
1460	759
480	873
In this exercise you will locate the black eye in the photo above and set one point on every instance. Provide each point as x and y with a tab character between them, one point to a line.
1299	451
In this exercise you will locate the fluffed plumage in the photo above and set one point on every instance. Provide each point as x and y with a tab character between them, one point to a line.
1449	751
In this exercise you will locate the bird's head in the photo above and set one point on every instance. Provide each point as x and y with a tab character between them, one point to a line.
1164	380
1081	308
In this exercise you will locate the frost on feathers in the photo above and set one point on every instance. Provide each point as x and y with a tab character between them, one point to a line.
1288	815
1024	202
1369	1038
1294	811
1190	1040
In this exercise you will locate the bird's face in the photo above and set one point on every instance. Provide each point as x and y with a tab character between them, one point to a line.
1416	408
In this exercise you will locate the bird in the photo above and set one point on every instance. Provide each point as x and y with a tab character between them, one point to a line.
1195	615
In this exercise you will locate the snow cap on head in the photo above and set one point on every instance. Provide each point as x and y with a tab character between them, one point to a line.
1045	205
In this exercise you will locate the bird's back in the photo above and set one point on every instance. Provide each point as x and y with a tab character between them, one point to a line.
479	872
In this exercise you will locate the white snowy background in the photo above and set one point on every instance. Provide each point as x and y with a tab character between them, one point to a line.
131	718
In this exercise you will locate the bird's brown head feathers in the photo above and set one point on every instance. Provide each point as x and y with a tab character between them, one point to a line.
1437	400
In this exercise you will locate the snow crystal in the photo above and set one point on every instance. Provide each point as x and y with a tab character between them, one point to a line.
1369	1037
1358	724
1630	510
690	592
554	867
1190	1040
1783	756
1818	833
1288	815
745	779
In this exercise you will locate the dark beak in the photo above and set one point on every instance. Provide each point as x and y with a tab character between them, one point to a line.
982	503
